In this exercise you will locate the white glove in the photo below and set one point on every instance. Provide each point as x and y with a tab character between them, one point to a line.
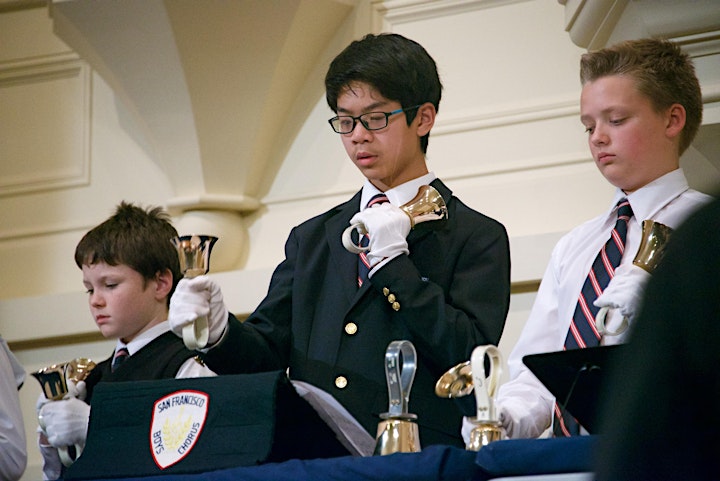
52	466
467	427
75	390
41	401
194	298
388	227
625	290
66	422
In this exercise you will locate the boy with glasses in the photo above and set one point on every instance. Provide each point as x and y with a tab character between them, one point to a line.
443	285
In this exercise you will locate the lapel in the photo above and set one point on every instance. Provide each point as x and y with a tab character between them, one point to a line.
345	261
423	230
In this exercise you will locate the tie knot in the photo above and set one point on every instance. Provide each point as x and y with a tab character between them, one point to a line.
377	199
120	356
624	210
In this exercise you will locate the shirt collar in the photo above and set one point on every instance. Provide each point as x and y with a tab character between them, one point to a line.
397	195
142	339
648	200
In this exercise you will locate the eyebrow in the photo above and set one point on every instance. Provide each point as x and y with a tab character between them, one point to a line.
614	109
369	108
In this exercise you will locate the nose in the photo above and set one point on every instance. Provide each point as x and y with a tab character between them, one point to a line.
599	135
359	132
96	299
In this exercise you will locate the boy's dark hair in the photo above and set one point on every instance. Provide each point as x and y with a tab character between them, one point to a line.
662	72
397	67
137	238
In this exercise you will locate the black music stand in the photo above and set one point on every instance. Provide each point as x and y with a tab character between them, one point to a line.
575	378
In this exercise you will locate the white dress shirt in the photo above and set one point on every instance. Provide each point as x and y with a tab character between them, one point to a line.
190	368
525	405
397	196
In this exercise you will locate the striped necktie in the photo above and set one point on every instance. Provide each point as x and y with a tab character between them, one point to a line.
121	356
582	332
363	264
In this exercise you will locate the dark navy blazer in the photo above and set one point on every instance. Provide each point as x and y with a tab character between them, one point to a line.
452	294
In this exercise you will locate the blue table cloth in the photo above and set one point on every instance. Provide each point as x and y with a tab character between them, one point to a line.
435	463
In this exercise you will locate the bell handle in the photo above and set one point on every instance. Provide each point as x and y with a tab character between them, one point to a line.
195	334
400	374
65	457
485	384
600	323
347	238
63	451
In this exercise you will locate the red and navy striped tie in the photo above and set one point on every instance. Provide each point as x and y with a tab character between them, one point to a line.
363	264
582	332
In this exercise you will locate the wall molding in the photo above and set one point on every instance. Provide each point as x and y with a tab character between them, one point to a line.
74	171
451	124
479	120
528	164
522	287
13	5
390	12
45	230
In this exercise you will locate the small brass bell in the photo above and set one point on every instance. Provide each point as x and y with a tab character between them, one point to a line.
194	255
651	251
427	205
54	384
470	376
398	432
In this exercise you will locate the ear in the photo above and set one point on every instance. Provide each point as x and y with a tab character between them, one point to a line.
426	118
163	284
675	120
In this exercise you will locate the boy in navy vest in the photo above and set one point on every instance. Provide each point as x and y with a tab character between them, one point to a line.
130	270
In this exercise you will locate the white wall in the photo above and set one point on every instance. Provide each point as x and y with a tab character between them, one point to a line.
507	141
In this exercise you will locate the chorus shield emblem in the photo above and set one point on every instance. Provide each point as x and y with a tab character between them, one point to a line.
177	421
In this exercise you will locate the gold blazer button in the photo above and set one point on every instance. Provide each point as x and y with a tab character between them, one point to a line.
341	382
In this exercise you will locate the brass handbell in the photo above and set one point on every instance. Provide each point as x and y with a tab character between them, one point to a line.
652	245
427	205
398	432
194	255
54	384
470	376
54	379
651	251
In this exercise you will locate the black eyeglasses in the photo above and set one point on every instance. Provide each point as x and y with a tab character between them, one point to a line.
344	124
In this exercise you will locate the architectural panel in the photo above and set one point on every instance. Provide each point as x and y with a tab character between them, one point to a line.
46	144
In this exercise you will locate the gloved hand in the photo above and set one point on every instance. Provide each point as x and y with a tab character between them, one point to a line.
41	401
466	429
52	465
66	422
196	297
625	290
388	227
75	390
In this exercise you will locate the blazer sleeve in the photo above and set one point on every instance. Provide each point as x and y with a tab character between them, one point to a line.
262	342
453	289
